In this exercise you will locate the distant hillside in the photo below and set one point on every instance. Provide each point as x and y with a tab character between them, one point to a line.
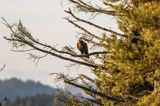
37	100
14	88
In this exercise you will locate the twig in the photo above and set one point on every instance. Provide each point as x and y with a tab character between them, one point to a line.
86	31
22	50
89	8
108	4
92	24
2	67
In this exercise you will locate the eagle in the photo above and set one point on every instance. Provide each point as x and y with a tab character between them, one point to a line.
82	47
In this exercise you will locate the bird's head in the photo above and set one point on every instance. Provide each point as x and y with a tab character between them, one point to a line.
80	39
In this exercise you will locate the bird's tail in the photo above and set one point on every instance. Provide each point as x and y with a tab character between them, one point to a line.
87	55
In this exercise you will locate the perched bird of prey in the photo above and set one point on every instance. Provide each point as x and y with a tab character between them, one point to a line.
82	47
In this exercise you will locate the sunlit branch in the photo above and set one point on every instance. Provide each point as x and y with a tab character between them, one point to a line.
52	53
63	52
93	91
34	44
86	31
70	81
86	77
72	53
27	34
94	43
64	97
108	4
92	24
89	8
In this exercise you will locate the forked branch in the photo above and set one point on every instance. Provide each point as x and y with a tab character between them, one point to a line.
94	91
83	6
72	82
92	24
20	37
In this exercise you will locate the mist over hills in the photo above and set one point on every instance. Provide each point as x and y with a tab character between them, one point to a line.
13	88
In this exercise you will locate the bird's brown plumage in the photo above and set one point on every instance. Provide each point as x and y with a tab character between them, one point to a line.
82	47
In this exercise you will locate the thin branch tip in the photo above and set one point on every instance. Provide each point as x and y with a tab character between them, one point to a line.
3	67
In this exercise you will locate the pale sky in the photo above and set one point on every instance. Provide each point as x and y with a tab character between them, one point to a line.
44	20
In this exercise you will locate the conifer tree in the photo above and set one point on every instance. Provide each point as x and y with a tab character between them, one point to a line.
127	69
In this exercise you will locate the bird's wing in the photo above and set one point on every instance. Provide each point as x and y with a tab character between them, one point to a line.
85	47
78	45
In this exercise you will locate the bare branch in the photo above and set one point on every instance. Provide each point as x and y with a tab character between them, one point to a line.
64	52
86	77
22	50
52	53
72	82
21	37
64	98
108	4
92	24
89	54
2	67
48	46
60	76
90	8
94	91
86	31
37	58
93	42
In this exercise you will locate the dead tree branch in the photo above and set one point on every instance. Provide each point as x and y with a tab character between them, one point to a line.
83	29
20	37
108	4
22	50
92	24
90	8
93	91
52	53
72	82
